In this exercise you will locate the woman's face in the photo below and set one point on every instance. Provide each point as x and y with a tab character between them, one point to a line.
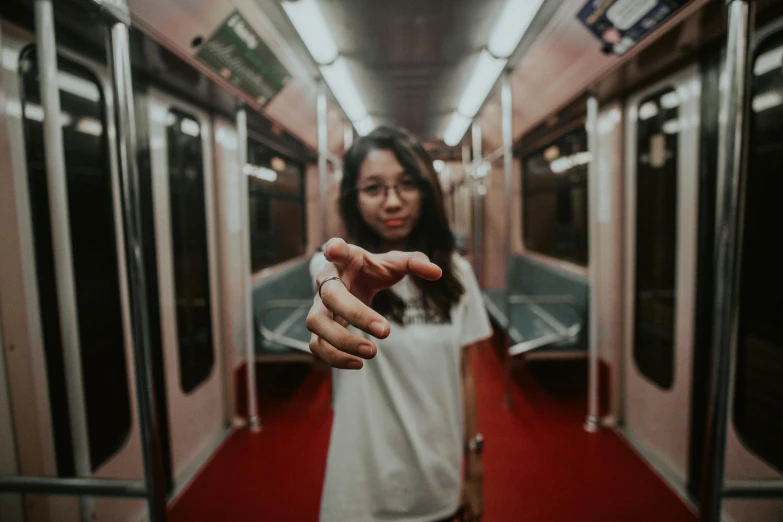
391	213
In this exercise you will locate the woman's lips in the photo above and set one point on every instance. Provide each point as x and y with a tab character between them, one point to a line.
394	223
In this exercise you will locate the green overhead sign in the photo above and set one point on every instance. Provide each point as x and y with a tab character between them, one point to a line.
238	54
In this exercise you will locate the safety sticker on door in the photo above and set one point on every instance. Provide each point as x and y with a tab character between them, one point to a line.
621	24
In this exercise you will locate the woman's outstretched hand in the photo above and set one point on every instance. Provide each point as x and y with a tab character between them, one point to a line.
363	275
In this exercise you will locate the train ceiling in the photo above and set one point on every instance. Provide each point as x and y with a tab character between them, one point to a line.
410	59
411	56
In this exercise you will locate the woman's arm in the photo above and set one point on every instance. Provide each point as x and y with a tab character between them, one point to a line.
472	460
472	486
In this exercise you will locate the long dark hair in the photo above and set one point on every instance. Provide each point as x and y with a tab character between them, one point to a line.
431	234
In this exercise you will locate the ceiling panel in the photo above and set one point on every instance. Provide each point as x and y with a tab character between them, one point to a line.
408	56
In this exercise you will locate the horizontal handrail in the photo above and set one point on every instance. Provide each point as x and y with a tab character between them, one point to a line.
544	340
542	299
73	486
277	304
562	332
533	301
493	309
494	155
753	488
522	299
276	337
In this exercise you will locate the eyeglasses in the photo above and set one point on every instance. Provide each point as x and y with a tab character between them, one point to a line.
406	190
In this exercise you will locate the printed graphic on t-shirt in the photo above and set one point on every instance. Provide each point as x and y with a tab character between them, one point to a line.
418	313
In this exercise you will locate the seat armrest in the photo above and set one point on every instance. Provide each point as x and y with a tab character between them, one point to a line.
280	337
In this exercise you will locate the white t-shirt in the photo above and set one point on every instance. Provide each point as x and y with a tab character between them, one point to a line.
395	452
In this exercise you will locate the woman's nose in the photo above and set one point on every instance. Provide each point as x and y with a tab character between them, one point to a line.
392	198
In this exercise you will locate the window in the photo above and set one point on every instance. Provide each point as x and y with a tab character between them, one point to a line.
656	237
94	250
554	196
276	206
758	402
189	247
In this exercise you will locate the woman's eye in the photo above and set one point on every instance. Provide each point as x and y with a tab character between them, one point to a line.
372	189
409	184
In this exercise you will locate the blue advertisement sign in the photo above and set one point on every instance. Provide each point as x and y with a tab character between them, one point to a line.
621	24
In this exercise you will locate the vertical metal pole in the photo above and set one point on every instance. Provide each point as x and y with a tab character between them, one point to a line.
592	424
347	136
154	479
56	180
322	152
465	170
254	422
727	259
475	134
507	109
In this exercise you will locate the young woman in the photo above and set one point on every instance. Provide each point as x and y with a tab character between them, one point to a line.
401	306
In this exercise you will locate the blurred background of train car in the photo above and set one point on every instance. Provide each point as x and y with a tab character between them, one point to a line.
611	169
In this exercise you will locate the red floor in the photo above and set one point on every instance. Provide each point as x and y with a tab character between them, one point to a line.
540	465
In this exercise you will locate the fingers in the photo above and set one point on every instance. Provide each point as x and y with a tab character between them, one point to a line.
342	254
319	322
420	265
414	263
332	356
334	344
344	304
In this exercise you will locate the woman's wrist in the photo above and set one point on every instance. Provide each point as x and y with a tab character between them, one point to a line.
473	466
475	444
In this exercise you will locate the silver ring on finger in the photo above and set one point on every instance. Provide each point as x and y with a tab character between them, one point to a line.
330	278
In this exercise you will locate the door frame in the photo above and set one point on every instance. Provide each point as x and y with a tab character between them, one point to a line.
740	461
181	475
685	271
28	390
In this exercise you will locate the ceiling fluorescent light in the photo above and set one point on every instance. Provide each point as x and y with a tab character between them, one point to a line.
364	126
312	28
455	130
512	25
340	82
483	78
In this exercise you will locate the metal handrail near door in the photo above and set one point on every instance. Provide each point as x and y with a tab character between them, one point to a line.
116	16
728	235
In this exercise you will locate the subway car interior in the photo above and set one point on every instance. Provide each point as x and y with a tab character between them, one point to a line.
155	349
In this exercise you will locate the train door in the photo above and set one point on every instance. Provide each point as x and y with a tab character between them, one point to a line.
183	206
755	431
10	505
35	363
661	242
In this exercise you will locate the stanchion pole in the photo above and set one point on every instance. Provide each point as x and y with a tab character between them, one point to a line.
727	259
